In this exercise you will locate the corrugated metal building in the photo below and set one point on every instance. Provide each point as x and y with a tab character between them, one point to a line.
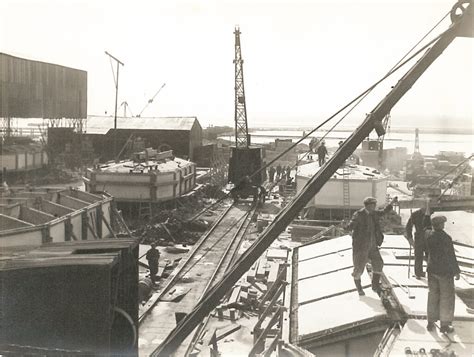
34	89
180	134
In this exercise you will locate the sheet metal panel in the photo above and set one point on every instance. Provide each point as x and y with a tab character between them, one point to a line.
325	264
395	241
33	89
417	305
319	287
322	248
415	336
335	312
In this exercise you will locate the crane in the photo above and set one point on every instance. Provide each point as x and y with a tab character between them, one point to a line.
245	159
462	26
240	113
151	100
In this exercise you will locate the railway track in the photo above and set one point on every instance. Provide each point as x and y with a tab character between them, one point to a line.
204	265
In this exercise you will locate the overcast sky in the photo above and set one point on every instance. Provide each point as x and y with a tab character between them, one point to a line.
303	59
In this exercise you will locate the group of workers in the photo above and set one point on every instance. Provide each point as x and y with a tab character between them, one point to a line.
275	174
430	242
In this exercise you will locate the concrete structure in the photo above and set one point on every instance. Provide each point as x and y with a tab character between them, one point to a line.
392	159
329	318
32	217
363	181
272	150
22	157
158	177
180	134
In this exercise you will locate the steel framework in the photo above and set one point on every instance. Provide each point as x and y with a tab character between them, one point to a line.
240	115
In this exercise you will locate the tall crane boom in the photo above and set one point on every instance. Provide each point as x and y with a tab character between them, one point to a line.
462	26
240	114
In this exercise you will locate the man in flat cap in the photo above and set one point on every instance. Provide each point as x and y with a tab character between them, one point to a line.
367	237
420	219
442	269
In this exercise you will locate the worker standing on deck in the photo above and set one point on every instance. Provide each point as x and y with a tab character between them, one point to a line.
442	269
421	220
322	152
278	171
271	173
288	172
153	256
367	237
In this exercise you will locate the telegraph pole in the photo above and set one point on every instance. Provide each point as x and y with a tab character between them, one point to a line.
116	79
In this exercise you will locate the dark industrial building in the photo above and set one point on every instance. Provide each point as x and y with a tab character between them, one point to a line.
180	134
34	89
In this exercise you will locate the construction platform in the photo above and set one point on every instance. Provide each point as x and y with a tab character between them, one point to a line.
34	216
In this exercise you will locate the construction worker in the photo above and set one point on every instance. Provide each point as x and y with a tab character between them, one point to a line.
153	256
278	171
442	269
367	237
288	172
322	152
421	220
271	173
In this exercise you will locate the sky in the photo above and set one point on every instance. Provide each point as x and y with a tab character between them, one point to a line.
303	60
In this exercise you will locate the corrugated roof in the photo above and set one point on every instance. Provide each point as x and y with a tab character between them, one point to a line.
97	124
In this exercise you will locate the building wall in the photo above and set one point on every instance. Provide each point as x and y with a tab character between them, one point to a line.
33	89
177	140
195	139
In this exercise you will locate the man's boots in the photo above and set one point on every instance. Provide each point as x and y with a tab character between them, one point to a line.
359	287
376	282
446	327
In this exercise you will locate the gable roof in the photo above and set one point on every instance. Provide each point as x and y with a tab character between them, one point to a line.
101	124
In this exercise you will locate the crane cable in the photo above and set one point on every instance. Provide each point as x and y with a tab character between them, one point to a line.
356	101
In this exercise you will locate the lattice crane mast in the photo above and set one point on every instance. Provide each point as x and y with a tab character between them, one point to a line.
240	114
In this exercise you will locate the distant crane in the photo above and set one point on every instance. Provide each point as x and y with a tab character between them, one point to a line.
240	114
125	106
244	160
151	100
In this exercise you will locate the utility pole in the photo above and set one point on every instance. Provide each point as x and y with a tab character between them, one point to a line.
116	80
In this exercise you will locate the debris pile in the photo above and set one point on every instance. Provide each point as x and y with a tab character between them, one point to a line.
169	226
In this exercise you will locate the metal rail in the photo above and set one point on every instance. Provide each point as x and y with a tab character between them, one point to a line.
173	277
205	265
223	265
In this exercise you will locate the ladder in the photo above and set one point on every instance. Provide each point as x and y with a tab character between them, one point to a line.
346	192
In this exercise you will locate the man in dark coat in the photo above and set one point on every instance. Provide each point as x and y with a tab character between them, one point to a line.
322	152
278	171
442	269
271	173
153	256
367	237
421	220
